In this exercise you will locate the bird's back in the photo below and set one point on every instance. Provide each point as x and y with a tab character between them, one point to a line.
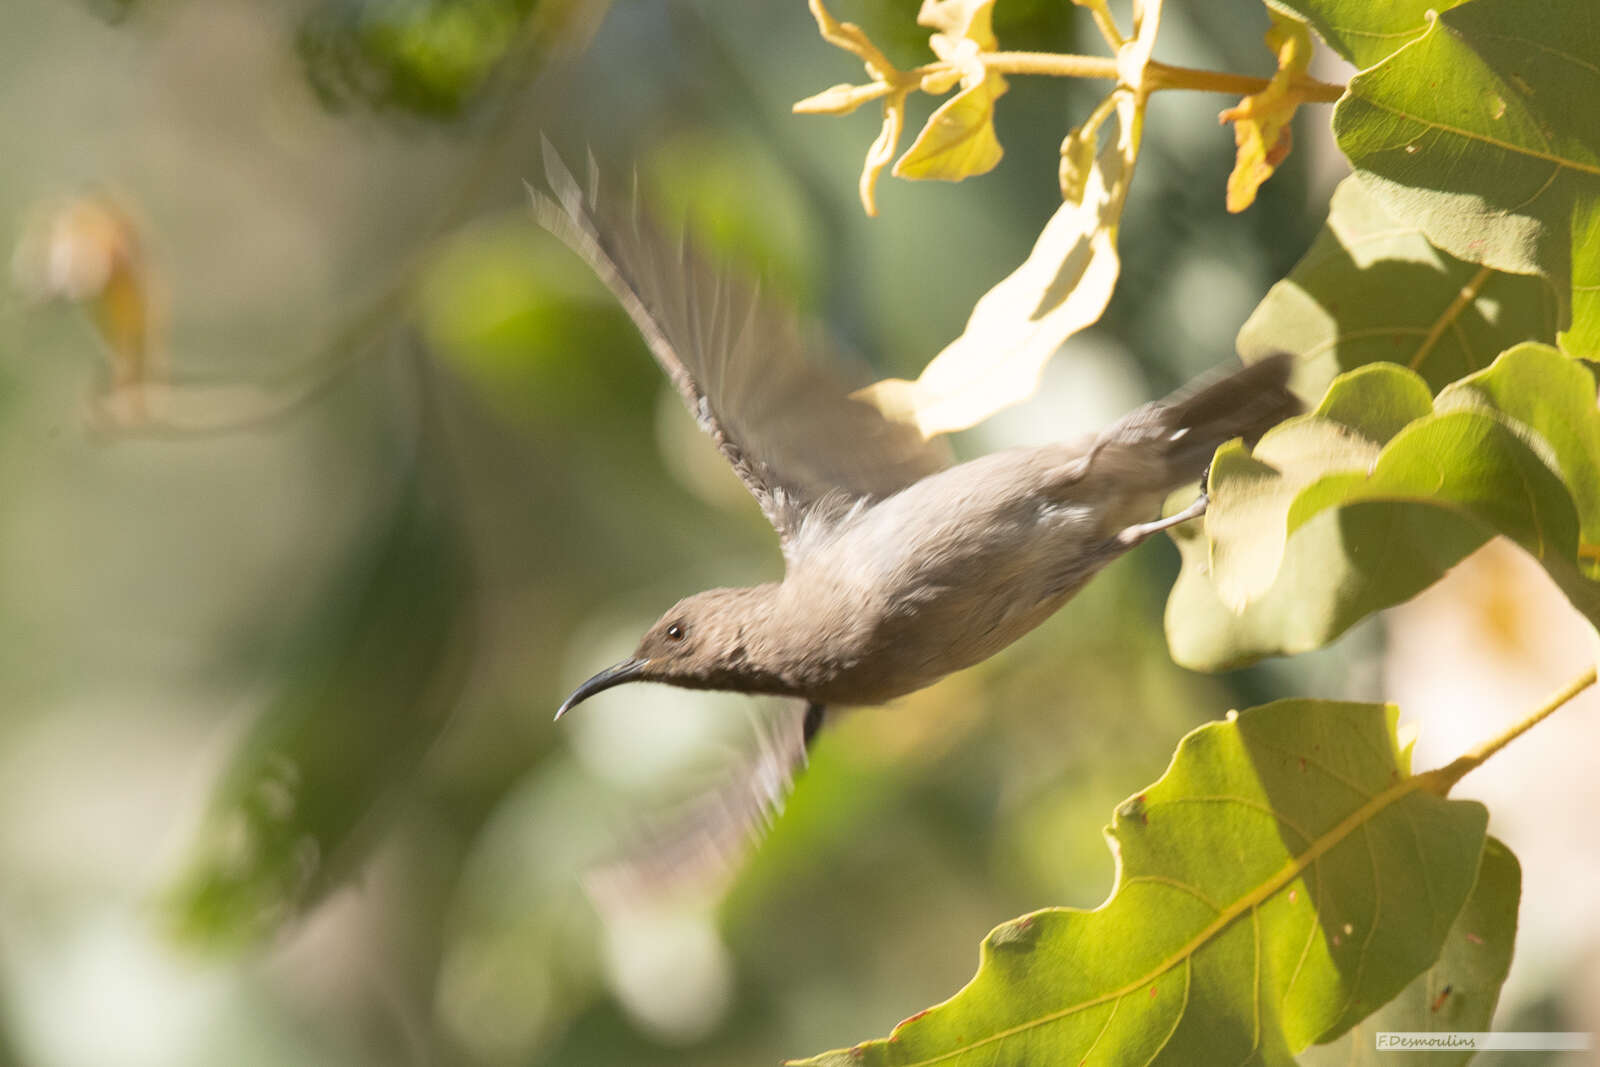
950	570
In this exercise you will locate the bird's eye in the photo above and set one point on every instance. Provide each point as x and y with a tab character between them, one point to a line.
675	632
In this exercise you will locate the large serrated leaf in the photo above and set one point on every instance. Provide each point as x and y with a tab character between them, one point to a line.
1458	993
1372	288
1483	132
1286	876
1314	529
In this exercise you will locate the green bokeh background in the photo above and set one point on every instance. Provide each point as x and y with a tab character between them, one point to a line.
486	491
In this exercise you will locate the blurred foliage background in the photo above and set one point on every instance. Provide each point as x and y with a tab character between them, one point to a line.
279	647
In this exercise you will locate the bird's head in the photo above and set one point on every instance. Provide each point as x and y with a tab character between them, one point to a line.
702	642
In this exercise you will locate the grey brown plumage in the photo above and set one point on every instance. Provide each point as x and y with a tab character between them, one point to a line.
900	568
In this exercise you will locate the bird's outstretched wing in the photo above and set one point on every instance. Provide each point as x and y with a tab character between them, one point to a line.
775	408
696	849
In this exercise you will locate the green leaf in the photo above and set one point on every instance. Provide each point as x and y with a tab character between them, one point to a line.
1372	288
370	691
1483	133
1458	993
1362	31
1286	876
1372	497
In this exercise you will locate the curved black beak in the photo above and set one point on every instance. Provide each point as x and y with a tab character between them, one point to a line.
626	671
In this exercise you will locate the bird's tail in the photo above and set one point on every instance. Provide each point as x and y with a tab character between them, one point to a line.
1162	445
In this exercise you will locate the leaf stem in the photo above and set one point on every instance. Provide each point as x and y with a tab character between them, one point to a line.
1467	295
1444	778
1055	64
1164	76
1158	75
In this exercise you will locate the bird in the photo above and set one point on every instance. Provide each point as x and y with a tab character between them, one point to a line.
900	565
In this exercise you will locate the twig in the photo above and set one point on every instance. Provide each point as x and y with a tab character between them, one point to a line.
1444	778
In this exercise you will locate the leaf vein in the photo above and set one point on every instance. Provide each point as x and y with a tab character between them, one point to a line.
1116	1006
1305	950
1312	761
1444	128
1156	879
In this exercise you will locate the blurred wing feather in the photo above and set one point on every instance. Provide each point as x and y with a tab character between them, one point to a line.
697	849
781	418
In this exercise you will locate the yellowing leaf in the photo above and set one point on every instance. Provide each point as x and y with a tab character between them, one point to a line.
1261	121
1063	286
1078	151
958	140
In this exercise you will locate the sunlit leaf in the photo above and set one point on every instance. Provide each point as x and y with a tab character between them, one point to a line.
958	141
1372	288
1286	876
1077	161
1063	285
1483	133
1372	497
1363	31
372	689
1261	129
1458	993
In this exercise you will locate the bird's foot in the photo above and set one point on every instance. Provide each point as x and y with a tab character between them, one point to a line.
1134	535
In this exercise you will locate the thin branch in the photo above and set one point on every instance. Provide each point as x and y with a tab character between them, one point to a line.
1157	75
1447	776
1164	76
1051	63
